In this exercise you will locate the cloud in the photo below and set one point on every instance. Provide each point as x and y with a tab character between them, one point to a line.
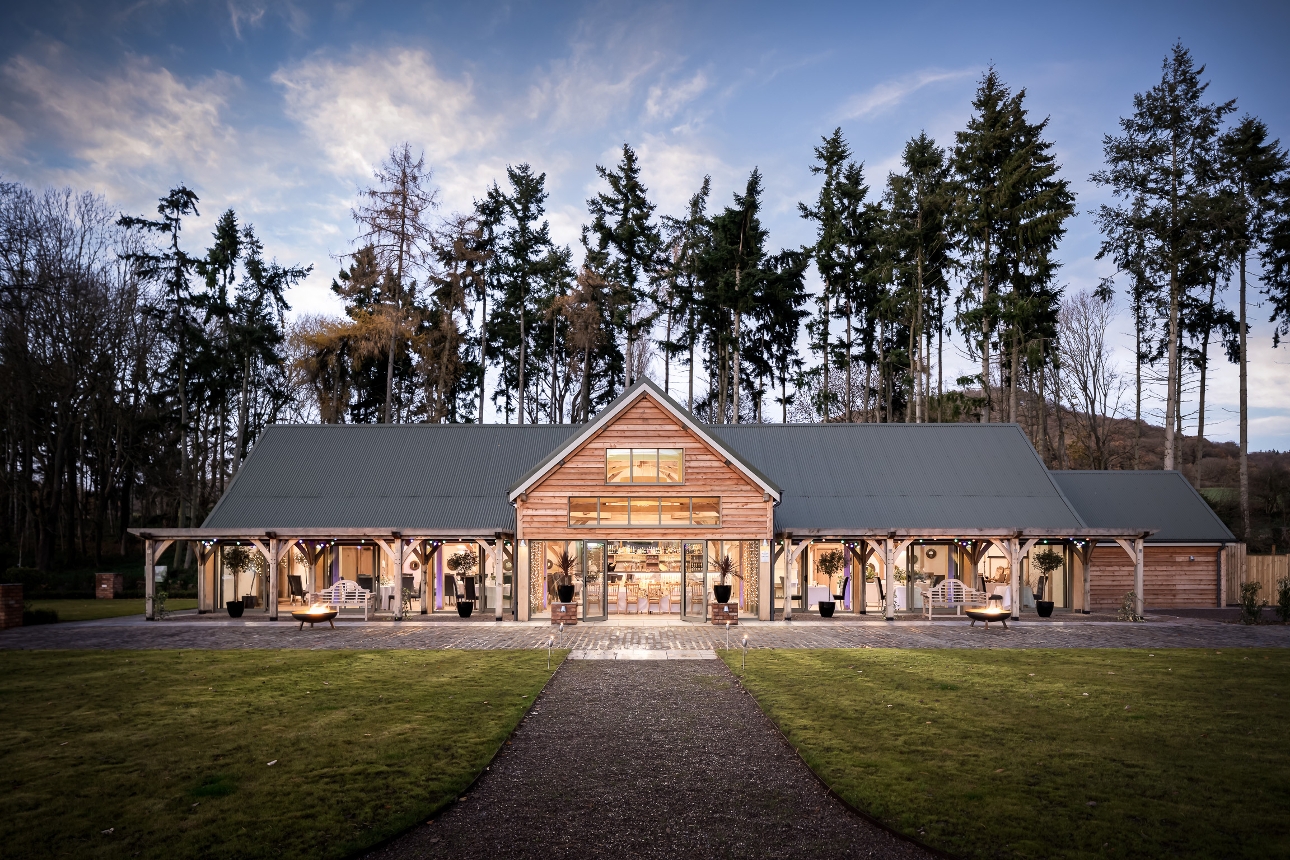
139	121
890	93
664	101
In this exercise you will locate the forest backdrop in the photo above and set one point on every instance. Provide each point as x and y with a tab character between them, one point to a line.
140	361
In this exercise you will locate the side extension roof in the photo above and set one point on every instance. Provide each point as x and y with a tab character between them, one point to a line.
1164	501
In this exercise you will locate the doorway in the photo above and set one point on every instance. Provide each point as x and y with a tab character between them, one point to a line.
694	565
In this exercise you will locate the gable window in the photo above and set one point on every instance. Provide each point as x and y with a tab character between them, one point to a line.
639	511
644	466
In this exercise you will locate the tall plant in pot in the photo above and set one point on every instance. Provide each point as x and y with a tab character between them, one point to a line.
563	577
725	570
237	558
1045	562
830	564
463	564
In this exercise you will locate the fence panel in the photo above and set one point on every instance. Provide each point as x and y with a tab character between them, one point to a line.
1266	570
1234	564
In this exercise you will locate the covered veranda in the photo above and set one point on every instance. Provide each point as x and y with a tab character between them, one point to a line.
404	572
899	563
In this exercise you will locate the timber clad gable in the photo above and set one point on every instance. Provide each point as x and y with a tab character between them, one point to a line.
746	512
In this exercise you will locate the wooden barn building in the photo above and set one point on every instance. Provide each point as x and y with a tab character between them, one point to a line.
651	512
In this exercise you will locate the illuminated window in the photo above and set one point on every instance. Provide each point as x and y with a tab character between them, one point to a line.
644	466
645	512
582	511
613	512
641	511
671	465
706	511
675	512
618	466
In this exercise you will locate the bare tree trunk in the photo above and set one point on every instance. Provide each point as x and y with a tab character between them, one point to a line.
690	397
985	331
735	360
1245	417
1012	379
849	351
483	351
1171	399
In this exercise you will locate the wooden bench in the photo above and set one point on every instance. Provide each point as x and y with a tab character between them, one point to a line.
345	594
951	594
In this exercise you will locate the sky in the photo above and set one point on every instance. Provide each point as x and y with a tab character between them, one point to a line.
281	110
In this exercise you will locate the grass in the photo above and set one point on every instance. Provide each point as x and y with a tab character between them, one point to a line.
169	751
89	610
1067	753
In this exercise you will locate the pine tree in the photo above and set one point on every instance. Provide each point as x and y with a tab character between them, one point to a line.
1257	174
624	249
1158	167
831	159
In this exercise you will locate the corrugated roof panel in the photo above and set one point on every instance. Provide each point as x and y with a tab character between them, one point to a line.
1165	501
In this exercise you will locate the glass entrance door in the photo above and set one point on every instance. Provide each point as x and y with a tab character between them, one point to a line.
595	606
694	604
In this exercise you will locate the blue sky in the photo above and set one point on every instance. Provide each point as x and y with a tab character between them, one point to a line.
281	110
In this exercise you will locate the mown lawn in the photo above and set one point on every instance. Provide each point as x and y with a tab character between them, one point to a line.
166	753
88	610
1059	753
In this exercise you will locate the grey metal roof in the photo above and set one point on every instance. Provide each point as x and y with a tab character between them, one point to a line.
396	476
1165	501
903	476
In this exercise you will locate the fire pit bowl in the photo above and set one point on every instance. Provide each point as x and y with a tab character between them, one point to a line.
988	614
314	615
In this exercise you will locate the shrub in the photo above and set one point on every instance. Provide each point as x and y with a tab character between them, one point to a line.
1251	606
39	616
1129	608
1283	599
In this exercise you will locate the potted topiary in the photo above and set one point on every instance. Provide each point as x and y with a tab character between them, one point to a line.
237	558
725	569
830	565
565	564
1045	562
463	564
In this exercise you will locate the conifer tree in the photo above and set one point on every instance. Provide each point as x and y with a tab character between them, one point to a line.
624	246
1159	167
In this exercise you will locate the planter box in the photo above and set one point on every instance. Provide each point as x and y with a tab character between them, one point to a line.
566	613
723	612
108	585
10	605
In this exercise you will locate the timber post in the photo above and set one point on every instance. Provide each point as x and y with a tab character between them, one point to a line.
1140	607
271	599
889	575
149	579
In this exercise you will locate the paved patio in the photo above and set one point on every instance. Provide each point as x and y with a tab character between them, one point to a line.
647	759
133	632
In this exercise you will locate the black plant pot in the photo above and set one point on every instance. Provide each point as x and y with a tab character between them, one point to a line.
722	593
235	608
565	593
826	608
464	608
1044	608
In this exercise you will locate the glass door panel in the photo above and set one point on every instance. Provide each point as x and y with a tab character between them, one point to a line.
694	602
594	596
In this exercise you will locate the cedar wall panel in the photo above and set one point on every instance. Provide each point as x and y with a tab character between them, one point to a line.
744	513
1169	577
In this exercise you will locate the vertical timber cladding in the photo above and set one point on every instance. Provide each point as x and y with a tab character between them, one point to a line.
1170	576
745	513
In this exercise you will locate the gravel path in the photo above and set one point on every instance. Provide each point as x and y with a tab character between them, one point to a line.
621	758
875	634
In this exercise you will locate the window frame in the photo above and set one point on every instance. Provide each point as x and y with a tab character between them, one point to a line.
658	524
631	467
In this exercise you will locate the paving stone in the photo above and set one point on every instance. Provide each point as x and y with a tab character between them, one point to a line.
604	636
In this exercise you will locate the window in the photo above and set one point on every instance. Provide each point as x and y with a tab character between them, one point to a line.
706	512
613	512
618	466
645	511
644	466
670	465
583	511
675	512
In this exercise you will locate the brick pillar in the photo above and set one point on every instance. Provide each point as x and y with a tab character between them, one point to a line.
10	605
108	585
